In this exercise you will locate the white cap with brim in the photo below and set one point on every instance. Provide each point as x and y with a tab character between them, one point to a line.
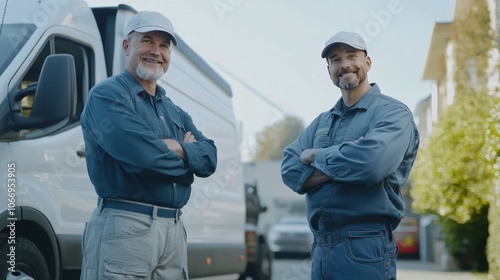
349	38
146	21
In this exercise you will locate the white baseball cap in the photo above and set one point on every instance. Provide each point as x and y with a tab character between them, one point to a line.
146	21
349	38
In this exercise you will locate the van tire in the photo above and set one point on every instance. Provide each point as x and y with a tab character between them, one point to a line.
28	259
265	263
262	269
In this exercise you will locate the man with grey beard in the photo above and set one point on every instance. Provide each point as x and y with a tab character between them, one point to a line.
142	153
351	162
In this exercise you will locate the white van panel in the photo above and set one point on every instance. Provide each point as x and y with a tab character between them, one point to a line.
53	179
5	159
216	207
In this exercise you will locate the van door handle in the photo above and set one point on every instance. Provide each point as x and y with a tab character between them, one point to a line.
80	153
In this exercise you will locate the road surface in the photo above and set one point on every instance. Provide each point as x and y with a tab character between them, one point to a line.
299	269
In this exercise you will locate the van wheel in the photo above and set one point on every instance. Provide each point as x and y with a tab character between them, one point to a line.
262	269
265	262
27	259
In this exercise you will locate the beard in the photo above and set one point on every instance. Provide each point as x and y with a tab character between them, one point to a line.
149	73
343	84
349	83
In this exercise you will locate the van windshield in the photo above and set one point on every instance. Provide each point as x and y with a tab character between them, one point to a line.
12	39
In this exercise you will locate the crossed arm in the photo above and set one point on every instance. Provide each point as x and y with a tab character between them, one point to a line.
307	157
176	147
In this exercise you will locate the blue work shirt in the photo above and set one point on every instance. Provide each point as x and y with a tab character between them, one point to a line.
123	127
367	150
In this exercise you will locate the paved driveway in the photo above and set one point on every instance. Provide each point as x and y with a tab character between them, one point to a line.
417	270
300	269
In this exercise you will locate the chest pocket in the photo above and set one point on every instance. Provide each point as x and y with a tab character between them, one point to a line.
172	123
321	138
179	129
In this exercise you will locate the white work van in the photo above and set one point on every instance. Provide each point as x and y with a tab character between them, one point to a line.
51	53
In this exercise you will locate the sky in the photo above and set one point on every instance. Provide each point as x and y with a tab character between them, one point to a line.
269	50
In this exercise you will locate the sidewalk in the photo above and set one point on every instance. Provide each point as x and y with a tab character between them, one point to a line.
417	270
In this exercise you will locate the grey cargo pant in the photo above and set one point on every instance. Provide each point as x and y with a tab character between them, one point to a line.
120	244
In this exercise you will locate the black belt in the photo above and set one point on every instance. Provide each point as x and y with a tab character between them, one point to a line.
141	208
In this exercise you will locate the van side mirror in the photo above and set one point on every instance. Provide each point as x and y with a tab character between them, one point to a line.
54	97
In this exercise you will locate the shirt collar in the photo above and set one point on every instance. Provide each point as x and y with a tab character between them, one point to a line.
362	103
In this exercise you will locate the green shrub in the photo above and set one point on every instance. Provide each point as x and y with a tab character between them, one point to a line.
467	242
492	152
493	247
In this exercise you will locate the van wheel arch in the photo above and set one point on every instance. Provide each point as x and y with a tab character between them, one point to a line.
34	226
27	260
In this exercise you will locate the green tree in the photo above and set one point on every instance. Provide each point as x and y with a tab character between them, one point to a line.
451	176
492	153
273	139
457	175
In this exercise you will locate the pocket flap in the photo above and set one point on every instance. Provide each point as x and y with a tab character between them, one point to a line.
126	269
